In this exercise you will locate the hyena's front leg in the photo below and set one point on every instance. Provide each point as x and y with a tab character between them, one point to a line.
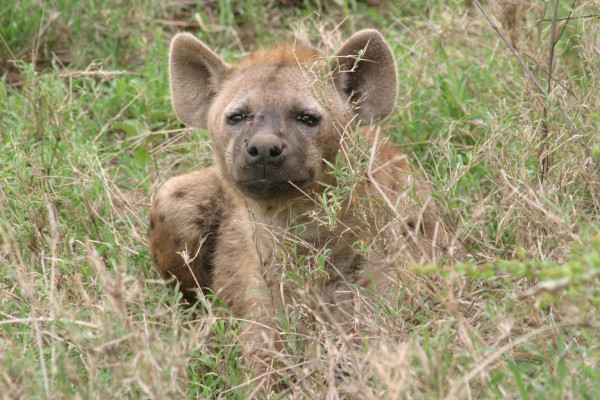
184	221
239	282
260	339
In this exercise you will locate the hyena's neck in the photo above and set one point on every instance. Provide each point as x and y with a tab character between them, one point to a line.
300	221
298	225
278	215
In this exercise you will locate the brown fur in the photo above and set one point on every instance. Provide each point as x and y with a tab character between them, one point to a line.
285	54
223	227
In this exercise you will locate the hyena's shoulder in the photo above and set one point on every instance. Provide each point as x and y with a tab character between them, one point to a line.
185	219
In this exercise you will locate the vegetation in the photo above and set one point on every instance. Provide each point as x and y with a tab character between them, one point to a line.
87	135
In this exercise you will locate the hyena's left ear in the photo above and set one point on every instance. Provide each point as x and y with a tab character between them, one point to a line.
195	72
365	73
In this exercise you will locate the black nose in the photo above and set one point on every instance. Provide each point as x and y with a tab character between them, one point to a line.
265	148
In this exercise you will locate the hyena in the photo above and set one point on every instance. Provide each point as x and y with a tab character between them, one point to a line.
281	121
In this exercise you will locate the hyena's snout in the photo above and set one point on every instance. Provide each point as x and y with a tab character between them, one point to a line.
265	148
268	164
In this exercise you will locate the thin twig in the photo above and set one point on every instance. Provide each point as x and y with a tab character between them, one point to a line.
101	74
543	159
17	321
556	81
568	18
587	16
552	46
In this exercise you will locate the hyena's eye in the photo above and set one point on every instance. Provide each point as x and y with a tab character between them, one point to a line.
236	118
308	120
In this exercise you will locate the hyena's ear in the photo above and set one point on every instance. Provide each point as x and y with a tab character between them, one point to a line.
195	72
365	73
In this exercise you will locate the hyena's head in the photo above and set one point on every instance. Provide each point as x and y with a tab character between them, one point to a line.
276	116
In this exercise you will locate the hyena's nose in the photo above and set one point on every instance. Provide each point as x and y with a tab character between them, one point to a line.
265	149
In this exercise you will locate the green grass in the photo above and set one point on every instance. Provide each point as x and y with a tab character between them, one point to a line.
87	134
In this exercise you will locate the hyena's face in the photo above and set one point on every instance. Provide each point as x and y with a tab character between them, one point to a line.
272	129
276	117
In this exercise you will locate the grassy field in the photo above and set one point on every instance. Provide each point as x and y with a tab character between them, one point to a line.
87	134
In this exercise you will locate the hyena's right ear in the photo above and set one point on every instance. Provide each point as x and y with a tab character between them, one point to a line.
195	71
366	75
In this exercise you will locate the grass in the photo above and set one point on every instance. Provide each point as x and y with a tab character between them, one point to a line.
87	134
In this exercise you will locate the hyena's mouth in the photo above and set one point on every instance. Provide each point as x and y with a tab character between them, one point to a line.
267	188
